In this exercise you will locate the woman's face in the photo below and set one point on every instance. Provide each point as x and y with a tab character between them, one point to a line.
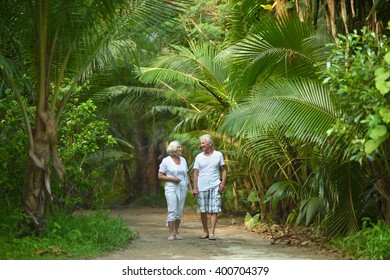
179	150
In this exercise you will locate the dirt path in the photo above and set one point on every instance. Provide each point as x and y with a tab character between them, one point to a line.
233	242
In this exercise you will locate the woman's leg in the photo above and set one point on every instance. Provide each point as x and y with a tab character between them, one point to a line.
180	207
177	224
172	232
170	196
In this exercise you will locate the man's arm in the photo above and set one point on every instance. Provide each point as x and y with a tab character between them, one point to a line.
223	170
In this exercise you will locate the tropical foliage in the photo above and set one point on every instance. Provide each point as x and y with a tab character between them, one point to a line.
68	41
370	243
281	115
295	94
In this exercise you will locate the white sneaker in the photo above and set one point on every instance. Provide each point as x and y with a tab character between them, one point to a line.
170	238
179	237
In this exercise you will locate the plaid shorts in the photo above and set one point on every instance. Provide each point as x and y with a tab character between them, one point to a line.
209	201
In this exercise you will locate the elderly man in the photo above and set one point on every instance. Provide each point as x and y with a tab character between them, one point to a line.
209	182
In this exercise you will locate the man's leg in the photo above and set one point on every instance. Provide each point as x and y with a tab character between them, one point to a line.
203	218
215	207
213	221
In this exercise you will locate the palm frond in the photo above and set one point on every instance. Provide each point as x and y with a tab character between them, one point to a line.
155	75
301	105
107	158
348	183
244	16
192	66
278	48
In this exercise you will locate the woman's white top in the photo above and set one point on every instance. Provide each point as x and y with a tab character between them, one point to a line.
209	170
171	169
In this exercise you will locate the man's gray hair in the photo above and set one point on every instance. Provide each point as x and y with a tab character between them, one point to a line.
172	147
207	138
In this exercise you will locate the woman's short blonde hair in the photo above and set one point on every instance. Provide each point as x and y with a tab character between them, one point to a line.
172	147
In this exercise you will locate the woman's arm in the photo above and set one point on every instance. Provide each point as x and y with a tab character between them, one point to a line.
163	177
196	176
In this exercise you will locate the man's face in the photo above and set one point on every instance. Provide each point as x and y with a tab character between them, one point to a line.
205	146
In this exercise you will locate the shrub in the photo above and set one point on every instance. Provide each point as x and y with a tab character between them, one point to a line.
372	242
66	236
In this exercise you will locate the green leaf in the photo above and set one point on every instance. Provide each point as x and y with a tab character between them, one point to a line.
290	5
385	114
381	83
378	132
387	58
250	221
312	209
371	145
382	74
382	86
254	197
276	193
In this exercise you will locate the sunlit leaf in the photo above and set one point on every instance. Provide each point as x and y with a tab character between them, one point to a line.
387	58
268	7
378	132
385	114
371	145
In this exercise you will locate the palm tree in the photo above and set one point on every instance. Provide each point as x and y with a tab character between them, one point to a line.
285	124
51	44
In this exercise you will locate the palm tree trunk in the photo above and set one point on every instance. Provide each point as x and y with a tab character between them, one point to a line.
331	17
263	206
37	192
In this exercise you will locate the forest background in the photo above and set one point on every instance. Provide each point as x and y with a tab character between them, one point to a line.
294	93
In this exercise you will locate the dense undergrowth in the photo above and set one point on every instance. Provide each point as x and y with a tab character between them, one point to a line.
372	242
81	236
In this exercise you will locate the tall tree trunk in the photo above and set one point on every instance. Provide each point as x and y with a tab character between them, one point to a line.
37	192
259	182
42	150
129	184
152	166
331	17
140	155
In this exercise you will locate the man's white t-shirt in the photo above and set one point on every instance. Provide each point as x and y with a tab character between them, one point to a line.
209	170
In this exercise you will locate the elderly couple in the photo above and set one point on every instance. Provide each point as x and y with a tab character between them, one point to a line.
209	182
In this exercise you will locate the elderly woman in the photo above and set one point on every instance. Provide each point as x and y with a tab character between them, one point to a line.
174	172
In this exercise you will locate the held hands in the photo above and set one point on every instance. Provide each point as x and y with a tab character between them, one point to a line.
194	192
